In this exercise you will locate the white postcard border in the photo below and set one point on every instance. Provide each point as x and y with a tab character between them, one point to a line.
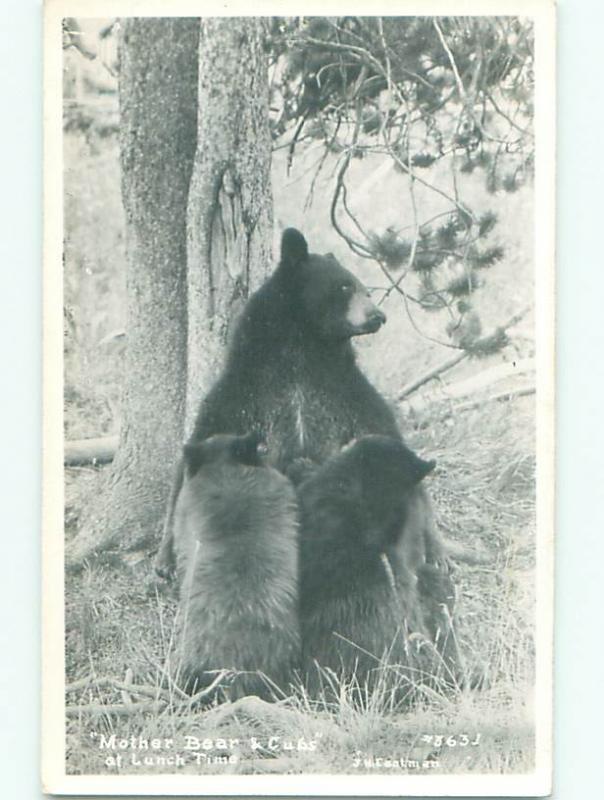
54	778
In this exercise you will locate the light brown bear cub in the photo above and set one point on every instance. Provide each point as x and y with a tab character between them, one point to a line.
235	537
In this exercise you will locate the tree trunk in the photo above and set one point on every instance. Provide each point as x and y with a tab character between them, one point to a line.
196	150
158	106
230	201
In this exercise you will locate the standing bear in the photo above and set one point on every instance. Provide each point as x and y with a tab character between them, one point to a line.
290	372
235	538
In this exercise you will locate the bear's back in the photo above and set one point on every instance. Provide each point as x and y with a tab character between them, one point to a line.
235	524
236	549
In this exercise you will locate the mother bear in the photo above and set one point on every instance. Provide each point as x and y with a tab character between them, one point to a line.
290	374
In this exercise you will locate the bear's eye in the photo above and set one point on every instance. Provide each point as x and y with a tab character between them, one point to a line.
346	288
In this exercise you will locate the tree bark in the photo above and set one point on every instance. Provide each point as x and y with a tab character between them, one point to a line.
195	153
230	205
158	106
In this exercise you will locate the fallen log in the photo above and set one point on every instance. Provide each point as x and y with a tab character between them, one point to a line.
434	372
524	391
474	386
90	451
478	346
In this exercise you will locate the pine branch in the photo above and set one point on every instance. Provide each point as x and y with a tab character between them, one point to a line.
129	709
154	692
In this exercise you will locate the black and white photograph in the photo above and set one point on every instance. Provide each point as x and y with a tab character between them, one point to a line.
299	386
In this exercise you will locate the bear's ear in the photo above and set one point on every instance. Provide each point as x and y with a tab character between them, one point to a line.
294	248
194	457
250	449
421	468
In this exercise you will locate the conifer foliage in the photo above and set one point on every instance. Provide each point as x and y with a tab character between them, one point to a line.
434	95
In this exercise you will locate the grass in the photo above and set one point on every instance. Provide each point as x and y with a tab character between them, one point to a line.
119	618
120	621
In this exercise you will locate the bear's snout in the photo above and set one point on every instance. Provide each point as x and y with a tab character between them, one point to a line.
377	317
364	316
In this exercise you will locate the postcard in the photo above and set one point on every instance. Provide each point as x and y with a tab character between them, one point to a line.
298	398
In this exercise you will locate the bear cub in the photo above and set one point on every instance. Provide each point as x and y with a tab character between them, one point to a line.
359	602
235	541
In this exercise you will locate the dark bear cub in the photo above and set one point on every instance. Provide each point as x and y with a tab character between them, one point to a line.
235	539
361	613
